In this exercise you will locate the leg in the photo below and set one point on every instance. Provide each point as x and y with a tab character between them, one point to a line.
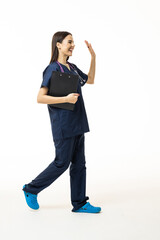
78	175
64	153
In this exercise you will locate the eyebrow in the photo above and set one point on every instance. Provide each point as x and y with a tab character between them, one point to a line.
71	40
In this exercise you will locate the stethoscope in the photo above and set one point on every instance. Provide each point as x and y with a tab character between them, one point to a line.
71	66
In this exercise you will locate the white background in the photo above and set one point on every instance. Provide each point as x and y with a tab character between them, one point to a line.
123	106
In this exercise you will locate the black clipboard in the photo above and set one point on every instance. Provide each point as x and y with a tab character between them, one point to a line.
61	84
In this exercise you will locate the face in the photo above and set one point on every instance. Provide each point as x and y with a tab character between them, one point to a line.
67	45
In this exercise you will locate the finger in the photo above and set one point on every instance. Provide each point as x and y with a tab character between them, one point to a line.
87	43
89	46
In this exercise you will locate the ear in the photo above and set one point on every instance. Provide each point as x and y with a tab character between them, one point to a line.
58	45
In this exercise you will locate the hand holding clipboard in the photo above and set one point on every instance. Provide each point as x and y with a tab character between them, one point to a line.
72	97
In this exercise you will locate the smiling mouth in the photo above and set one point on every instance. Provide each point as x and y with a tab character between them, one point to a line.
70	50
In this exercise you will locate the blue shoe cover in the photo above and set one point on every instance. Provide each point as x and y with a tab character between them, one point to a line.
31	200
88	208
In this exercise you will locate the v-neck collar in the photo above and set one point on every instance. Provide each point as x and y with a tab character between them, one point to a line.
66	67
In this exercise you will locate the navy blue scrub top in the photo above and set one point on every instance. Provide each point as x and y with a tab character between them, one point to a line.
66	123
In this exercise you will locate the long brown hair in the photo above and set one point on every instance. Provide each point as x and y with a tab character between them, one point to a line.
57	37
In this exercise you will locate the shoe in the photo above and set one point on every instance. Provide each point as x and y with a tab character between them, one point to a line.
88	208
31	200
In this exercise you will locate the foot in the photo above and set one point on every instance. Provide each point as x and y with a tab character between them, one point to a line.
88	208
31	200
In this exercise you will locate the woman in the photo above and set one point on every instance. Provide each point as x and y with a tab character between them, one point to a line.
68	128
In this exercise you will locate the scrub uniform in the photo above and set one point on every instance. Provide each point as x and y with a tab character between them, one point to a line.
68	128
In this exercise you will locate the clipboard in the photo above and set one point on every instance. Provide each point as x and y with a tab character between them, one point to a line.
62	84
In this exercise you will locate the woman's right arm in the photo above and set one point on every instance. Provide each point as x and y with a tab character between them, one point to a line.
46	99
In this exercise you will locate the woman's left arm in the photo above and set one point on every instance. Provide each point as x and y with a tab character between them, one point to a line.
91	74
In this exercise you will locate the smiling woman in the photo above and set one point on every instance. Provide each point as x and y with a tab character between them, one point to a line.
68	128
62	47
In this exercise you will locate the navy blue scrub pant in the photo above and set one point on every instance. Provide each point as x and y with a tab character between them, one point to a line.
69	151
